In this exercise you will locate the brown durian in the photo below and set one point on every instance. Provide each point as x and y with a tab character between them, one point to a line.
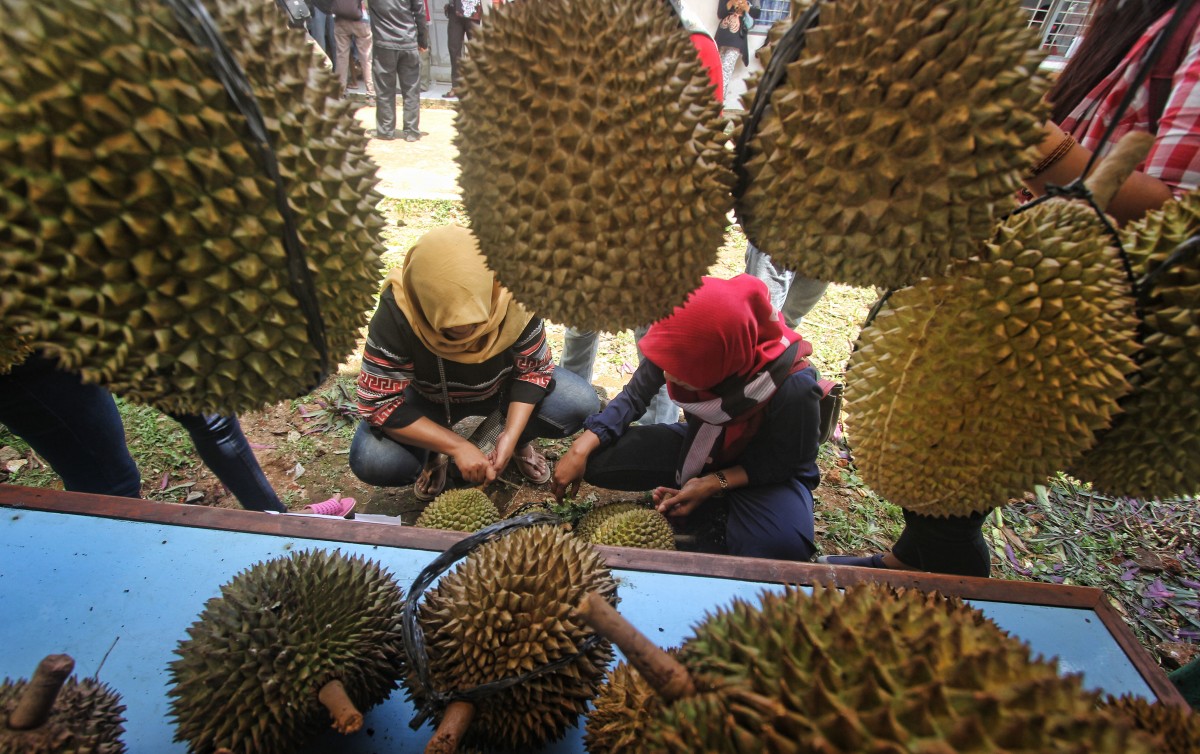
895	141
1153	448
253	674
506	611
144	247
594	170
970	388
873	668
86	716
1177	729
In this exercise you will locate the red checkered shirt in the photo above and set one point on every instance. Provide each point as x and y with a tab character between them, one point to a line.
1175	157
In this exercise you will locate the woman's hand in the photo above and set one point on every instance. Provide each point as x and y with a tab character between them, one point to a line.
506	445
672	502
473	464
568	472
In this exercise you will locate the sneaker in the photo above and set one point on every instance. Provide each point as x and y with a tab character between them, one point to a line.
862	561
339	506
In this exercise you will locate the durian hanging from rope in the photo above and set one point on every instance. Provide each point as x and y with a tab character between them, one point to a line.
894	142
970	388
594	170
143	241
868	668
1153	448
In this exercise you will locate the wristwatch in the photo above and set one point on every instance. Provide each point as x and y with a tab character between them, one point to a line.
720	475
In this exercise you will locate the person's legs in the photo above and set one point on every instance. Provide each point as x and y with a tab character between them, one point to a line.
579	352
379	460
802	296
729	60
642	459
772	521
952	544
75	427
409	70
662	410
426	71
362	35
778	281
343	32
456	32
223	447
317	28
383	68
561	413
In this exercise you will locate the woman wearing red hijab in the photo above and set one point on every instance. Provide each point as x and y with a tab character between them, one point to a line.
752	407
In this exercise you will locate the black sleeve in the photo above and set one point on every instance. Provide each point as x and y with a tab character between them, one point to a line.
786	443
755	11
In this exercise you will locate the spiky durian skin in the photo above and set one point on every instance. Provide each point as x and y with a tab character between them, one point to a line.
1177	729
507	610
1153	449
594	171
459	510
895	140
248	676
595	518
87	718
644	528
872	668
969	389
142	242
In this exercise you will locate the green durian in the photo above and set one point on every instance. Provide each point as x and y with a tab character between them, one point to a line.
467	509
595	518
594	170
250	672
505	611
644	528
895	141
143	243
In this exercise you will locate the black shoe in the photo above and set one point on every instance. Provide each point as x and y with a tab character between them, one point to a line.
450	95
385	137
410	136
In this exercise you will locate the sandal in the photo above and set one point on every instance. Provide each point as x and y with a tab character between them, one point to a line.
432	479
532	464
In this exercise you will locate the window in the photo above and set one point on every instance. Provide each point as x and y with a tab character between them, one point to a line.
772	11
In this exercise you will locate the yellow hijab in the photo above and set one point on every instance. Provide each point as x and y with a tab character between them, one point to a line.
444	282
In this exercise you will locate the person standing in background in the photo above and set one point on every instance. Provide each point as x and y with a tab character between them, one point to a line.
400	35
464	17
731	35
351	25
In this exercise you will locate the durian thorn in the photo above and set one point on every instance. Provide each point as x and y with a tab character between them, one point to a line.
453	727
666	675
1117	166
36	702
346	717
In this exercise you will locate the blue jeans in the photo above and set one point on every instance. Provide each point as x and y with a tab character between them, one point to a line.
76	427
579	356
381	461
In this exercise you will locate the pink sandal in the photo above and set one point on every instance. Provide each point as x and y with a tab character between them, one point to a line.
532	464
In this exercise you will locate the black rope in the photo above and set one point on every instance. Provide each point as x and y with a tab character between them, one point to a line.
787	49
200	27
414	638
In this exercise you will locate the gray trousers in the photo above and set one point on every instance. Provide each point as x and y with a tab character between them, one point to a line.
397	69
579	356
791	294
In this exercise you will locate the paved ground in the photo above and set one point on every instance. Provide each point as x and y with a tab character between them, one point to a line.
424	169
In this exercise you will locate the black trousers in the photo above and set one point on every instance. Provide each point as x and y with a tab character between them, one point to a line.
458	31
397	69
951	545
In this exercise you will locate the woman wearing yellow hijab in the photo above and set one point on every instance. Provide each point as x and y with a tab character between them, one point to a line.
448	342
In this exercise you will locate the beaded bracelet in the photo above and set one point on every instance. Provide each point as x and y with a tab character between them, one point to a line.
1057	154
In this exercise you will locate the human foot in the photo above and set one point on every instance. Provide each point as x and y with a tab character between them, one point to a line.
532	464
432	480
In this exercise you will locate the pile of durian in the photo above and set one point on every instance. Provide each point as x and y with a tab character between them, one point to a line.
143	244
594	170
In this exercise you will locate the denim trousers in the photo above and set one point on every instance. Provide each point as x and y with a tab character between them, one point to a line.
76	427
765	521
381	461
579	356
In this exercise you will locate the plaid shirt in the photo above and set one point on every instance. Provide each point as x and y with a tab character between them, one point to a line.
1175	156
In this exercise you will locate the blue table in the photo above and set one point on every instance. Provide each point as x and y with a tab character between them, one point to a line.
94	576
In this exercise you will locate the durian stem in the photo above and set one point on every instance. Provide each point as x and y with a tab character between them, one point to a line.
453	727
1117	166
36	702
346	717
662	671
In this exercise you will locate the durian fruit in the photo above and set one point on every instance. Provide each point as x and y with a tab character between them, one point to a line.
506	611
1153	449
54	714
870	668
624	706
143	245
594	171
644	528
895	141
1176	729
970	388
13	350
467	509
289	643
595	518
